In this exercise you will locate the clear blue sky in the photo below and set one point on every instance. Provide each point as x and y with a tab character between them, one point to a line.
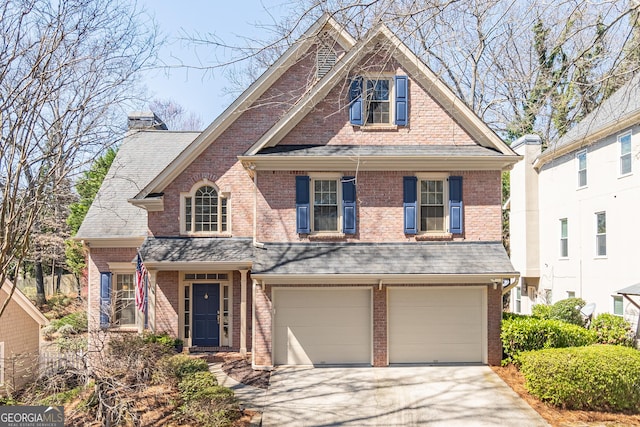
195	90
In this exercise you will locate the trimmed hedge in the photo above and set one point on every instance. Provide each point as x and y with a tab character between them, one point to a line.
598	377
526	334
568	310
612	329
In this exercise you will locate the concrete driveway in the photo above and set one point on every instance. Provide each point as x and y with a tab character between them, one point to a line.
394	396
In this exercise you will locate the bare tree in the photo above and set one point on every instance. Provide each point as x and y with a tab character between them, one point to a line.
522	66
66	70
175	116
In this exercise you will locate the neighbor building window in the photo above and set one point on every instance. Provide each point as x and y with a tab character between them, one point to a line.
618	306
564	238
432	205
325	204
581	156
625	154
518	307
571	294
205	211
601	234
125	297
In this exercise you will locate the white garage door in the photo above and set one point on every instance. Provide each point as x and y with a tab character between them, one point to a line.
437	325
322	326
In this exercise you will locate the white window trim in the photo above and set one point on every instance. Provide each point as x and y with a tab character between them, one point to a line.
181	300
392	97
1	363
586	168
445	196
312	196
114	297
191	193
623	135
564	238
601	234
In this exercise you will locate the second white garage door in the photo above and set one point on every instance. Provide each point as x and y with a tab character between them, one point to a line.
437	325
320	326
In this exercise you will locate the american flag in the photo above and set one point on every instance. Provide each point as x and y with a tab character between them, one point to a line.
141	273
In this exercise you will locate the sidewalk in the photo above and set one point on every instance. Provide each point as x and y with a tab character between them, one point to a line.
251	398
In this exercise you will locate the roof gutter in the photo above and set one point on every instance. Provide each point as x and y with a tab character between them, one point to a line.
512	285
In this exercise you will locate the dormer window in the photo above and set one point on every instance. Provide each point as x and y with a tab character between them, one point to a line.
204	211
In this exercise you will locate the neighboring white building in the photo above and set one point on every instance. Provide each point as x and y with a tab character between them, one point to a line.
574	219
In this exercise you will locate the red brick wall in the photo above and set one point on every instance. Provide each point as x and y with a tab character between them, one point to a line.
380	353
262	349
380	212
98	262
494	325
167	294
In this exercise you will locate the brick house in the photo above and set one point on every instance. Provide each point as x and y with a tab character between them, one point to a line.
346	208
19	339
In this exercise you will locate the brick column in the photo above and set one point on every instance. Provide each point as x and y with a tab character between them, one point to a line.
380	326
494	324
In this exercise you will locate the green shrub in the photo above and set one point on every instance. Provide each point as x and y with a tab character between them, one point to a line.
612	329
568	310
525	334
541	311
75	321
175	368
192	383
213	406
163	338
506	315
598	377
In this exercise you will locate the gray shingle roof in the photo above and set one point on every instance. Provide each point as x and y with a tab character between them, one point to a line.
378	150
631	290
383	258
142	156
196	249
623	103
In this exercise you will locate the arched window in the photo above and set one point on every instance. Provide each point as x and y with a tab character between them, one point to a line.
205	211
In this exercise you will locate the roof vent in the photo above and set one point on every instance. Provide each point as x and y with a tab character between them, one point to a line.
326	58
145	120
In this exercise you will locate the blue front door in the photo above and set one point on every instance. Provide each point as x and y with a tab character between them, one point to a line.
206	315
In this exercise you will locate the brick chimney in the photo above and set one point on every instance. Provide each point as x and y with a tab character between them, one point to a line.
145	120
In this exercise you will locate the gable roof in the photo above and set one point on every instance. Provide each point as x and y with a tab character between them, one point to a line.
325	24
23	302
413	65
142	155
617	113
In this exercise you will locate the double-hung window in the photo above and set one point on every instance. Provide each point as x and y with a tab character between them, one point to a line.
433	204
581	157
564	238
124	300
325	204
205	211
601	234
625	154
379	101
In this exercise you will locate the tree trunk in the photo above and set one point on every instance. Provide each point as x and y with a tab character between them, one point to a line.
58	279
41	299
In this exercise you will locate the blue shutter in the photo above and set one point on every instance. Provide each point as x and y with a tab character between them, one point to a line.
105	299
348	205
302	205
410	205
455	205
402	100
355	99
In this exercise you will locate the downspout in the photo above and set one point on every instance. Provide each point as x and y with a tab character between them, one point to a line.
256	244
511	285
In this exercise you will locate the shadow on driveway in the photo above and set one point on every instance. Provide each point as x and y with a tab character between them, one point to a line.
394	396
